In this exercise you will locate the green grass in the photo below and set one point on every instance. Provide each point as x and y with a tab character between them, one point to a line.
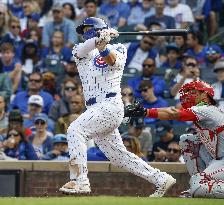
107	200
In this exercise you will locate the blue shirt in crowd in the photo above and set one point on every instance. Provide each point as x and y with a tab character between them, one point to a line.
158	83
201	56
166	22
177	66
21	101
95	154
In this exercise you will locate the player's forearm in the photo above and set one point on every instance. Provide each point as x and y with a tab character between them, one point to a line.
82	49
110	58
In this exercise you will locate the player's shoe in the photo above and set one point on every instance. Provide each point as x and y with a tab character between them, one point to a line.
166	184
75	188
185	194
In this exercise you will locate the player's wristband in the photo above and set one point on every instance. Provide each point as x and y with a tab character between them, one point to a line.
153	113
105	52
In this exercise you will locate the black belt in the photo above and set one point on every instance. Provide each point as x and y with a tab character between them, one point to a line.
92	101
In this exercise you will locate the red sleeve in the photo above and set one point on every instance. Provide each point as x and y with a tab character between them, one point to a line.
187	115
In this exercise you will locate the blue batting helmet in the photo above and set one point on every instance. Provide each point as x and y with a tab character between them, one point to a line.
96	24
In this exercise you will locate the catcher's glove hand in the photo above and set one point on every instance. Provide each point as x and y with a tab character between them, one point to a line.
135	110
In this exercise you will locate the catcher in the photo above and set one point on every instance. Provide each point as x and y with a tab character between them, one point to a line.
203	151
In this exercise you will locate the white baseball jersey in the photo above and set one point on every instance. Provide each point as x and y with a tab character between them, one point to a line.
209	127
97	77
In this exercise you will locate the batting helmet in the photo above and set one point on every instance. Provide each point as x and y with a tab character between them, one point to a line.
188	99
96	24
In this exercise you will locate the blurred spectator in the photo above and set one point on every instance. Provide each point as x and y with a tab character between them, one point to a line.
137	52
172	57
174	153
6	88
32	24
149	68
139	13
46	13
4	18
60	149
95	154
219	84
41	140
61	107
76	108
54	56
29	7
61	23
11	65
3	116
49	84
16	8
16	146
136	128
213	54
69	11
149	99
195	46
35	84
181	42
132	145
13	36
35	106
166	21
127	95
188	73
117	12
164	132
180	12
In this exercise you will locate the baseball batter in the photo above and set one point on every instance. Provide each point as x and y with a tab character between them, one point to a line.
203	151
100	67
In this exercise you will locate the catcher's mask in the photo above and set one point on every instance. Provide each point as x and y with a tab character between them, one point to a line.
188	93
96	24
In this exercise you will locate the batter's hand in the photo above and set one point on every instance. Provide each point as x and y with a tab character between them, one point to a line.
135	110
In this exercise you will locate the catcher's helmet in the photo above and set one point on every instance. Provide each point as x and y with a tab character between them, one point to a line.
96	23
188	99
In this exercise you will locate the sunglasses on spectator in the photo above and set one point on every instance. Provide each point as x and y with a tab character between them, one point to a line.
70	88
174	150
144	89
191	64
211	52
35	80
14	27
34	105
147	65
13	134
147	42
39	122
127	94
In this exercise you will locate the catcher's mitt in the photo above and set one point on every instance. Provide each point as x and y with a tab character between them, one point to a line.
135	110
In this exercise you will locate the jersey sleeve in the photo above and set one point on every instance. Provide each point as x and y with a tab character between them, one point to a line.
205	112
121	56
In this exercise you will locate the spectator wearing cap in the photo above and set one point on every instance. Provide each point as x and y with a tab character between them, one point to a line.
219	84
41	139
137	52
136	128
16	7
35	84
139	13
35	106
133	145
195	46
182	13
4	121
166	22
54	56
61	23
213	54
60	107
163	131
60	149
173	153
150	100
76	107
172	61
117	12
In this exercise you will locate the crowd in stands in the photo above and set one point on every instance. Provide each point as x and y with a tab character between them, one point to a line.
40	89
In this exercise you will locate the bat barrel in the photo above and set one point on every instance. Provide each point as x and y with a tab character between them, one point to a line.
165	32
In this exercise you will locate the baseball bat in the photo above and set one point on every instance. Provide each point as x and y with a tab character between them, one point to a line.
165	32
